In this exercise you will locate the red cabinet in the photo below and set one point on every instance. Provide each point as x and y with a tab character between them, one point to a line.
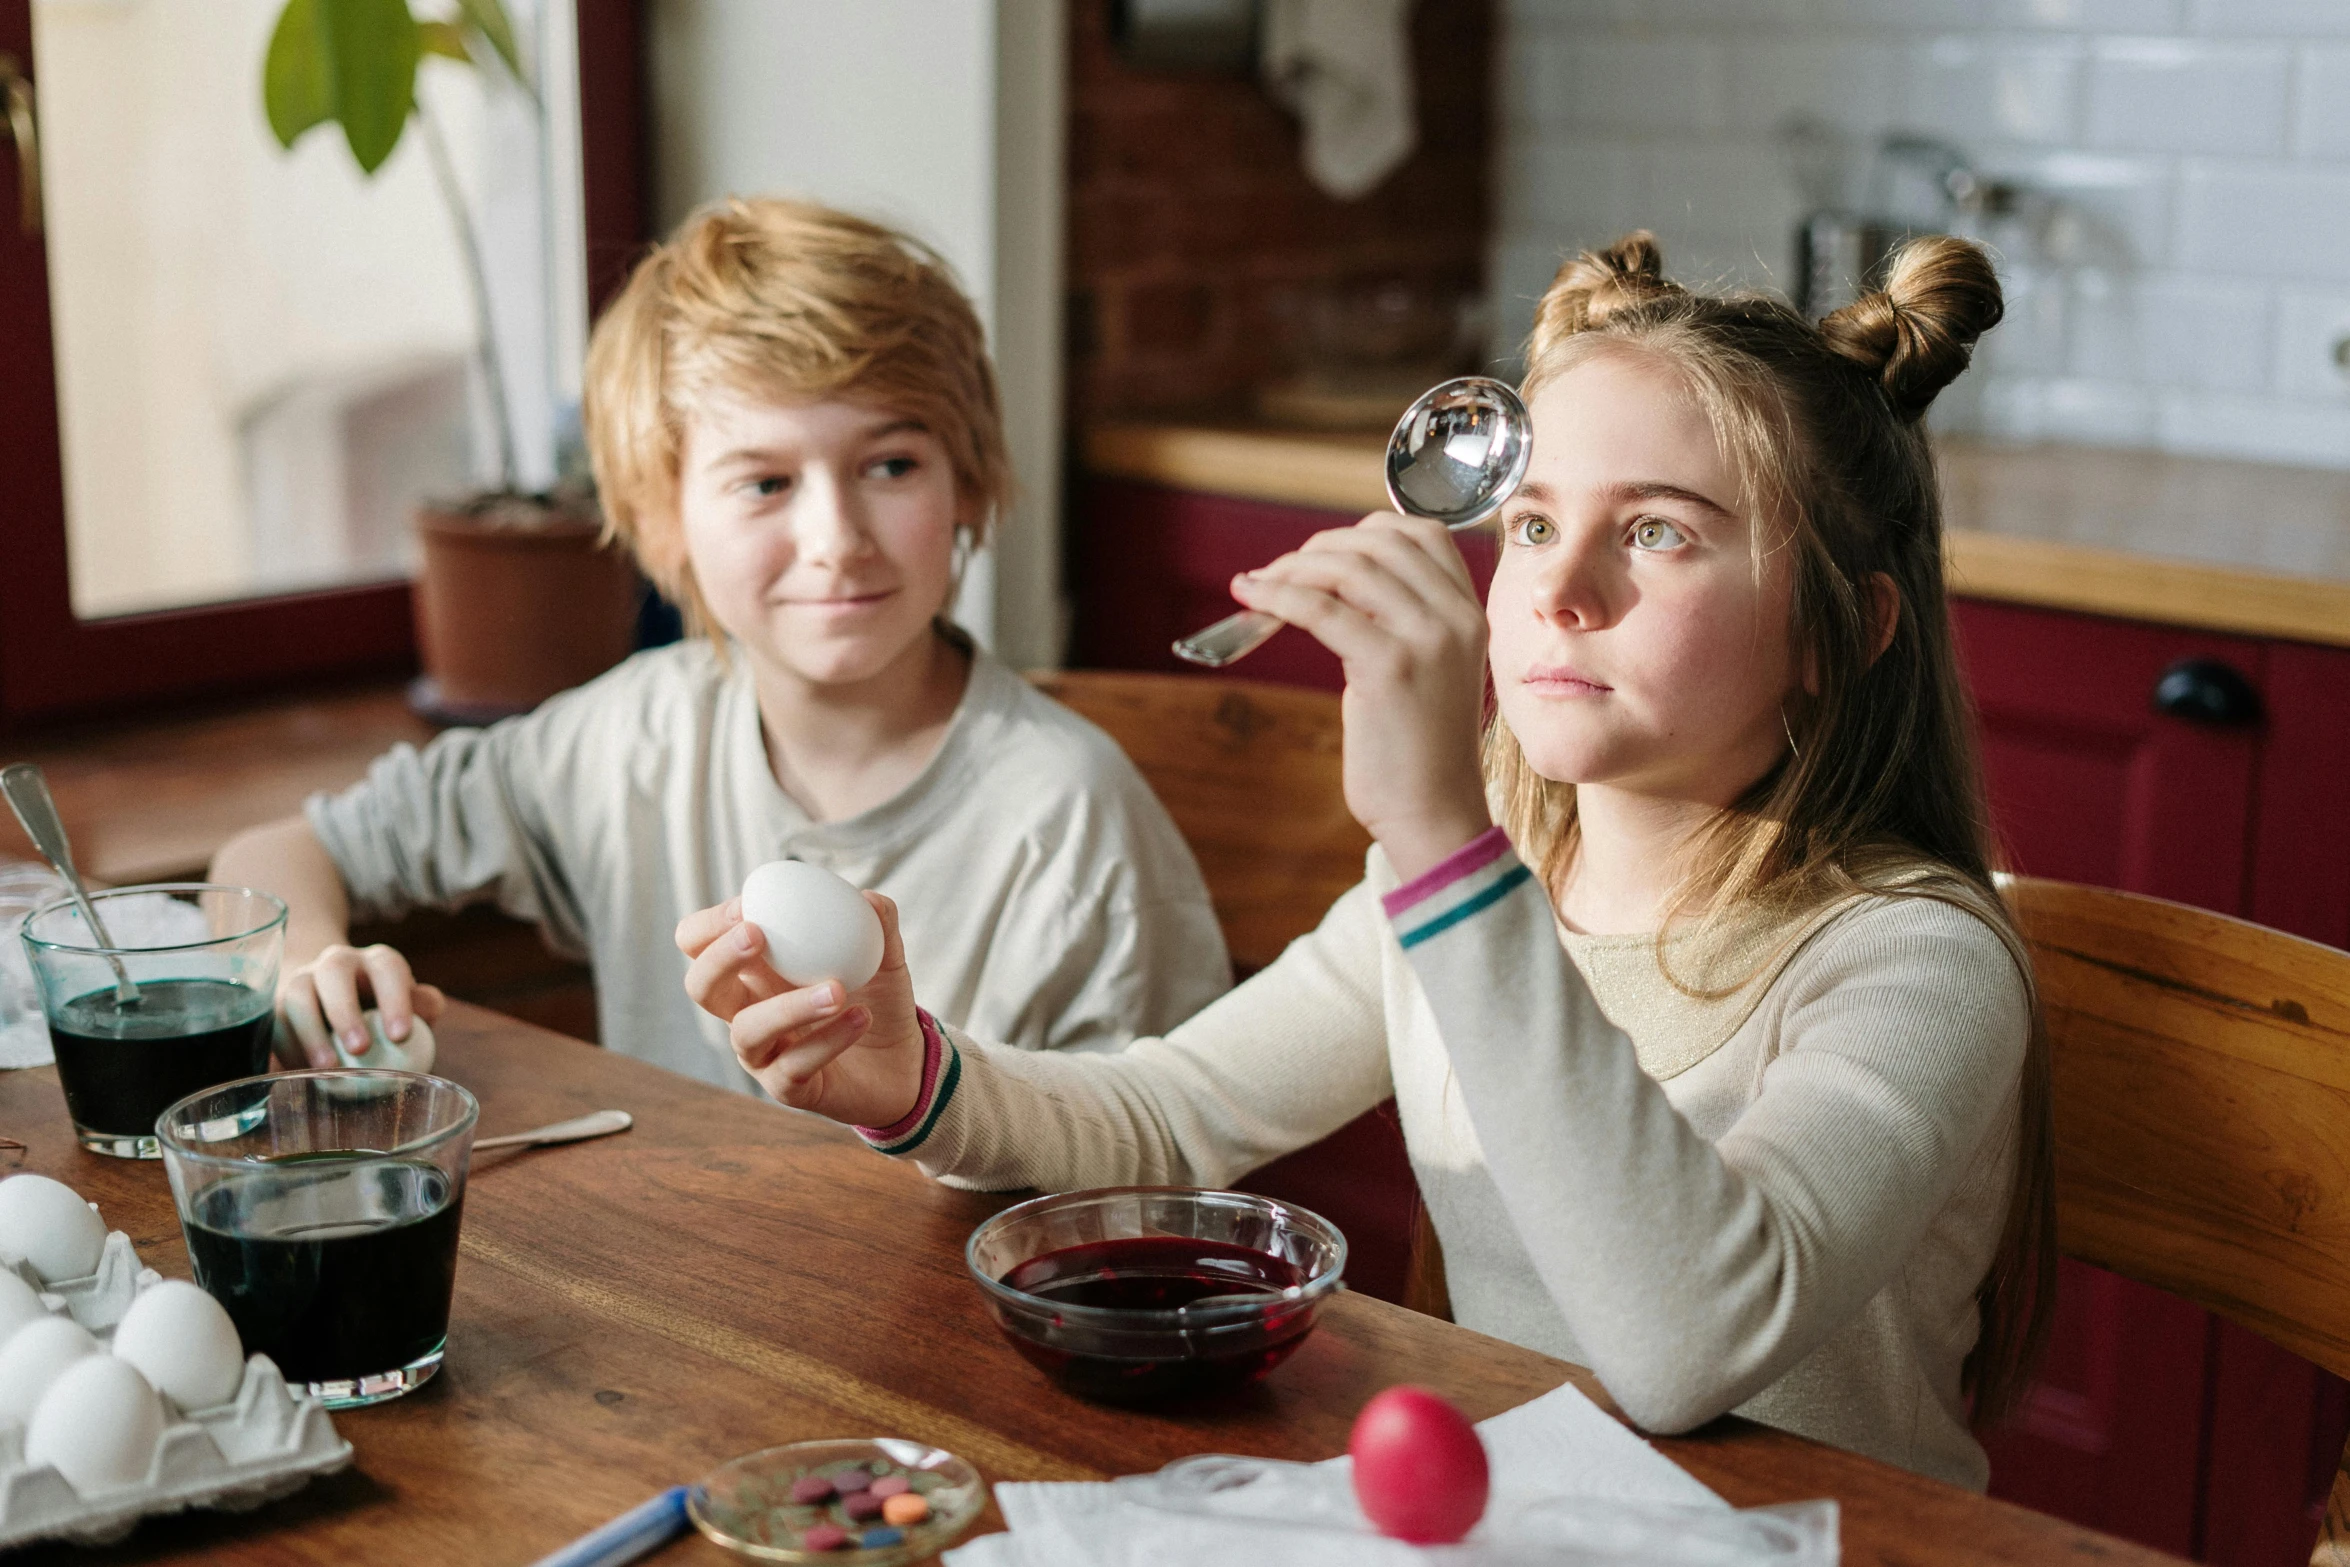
2152	1419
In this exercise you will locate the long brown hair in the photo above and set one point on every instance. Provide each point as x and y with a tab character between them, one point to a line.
1881	790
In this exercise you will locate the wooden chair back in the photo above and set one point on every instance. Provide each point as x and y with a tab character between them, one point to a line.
2201	1070
1250	772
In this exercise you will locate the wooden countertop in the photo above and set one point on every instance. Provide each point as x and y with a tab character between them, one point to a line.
150	799
726	1277
2188	541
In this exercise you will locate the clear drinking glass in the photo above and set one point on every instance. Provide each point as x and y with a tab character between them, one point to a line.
322	1208
203	960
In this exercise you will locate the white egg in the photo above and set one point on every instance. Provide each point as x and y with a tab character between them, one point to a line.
98	1425
415	1054
44	1222
818	927
36	1355
181	1340
18	1304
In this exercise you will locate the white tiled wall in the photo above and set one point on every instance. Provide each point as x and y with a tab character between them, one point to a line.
2183	272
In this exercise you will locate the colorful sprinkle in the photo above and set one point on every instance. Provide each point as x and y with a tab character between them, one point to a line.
861	1506
824	1537
891	1485
905	1508
810	1489
875	1539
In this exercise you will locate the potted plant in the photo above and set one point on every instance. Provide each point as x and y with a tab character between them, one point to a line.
518	596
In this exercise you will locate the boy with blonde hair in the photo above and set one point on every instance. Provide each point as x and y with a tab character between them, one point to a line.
795	427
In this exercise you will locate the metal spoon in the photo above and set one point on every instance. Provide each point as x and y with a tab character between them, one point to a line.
1456	455
28	795
603	1123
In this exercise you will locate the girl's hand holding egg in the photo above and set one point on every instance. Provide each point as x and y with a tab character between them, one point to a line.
810	978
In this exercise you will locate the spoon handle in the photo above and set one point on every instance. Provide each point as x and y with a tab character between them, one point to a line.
1229	640
601	1123
28	795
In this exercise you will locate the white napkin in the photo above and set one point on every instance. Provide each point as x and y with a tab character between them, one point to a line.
1559	1447
24	1037
1344	67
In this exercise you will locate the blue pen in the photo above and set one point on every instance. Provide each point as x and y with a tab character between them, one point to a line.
627	1537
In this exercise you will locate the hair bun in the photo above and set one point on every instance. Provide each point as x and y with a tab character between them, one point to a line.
1917	332
1596	284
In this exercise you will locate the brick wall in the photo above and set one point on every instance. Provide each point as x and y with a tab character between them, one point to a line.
1189	211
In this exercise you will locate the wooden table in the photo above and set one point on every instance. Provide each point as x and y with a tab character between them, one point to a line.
728	1276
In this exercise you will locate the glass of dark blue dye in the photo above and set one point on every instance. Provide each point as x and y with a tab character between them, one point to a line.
321	1209
176	996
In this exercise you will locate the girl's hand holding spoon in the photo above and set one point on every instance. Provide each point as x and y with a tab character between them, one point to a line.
1393	599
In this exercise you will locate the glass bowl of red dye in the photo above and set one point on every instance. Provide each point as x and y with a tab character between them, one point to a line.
1136	1294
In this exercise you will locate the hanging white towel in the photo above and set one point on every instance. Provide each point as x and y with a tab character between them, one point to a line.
1344	67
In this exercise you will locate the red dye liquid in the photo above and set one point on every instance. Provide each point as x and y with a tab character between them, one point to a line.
1145	1360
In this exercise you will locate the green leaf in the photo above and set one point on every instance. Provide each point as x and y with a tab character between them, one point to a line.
372	47
488	18
445	39
294	90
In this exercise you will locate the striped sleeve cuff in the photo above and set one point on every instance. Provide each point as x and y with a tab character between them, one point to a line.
942	1069
1457	888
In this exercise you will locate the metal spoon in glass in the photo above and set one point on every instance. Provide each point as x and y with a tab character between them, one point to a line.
28	796
1456	455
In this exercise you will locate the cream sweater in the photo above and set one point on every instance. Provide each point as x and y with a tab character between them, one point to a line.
1779	1201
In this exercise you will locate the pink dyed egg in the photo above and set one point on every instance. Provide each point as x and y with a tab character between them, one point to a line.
1419	1467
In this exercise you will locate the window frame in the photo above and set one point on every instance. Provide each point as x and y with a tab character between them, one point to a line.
54	665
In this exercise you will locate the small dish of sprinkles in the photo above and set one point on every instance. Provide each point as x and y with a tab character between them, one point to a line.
865	1503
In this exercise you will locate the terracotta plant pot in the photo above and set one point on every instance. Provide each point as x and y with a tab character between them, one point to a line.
514	603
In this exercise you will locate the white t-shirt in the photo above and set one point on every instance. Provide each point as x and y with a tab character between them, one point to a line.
1045	898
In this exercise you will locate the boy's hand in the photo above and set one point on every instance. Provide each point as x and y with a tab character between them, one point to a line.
322	1000
853	1056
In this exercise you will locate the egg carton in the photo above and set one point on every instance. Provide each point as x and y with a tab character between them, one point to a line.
98	1299
267	1442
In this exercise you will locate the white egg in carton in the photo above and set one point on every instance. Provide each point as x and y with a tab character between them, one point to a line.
123	1393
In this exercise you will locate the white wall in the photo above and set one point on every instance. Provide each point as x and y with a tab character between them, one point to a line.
2185	294
940	117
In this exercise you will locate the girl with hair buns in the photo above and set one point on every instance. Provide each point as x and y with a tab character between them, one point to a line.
1715	1050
